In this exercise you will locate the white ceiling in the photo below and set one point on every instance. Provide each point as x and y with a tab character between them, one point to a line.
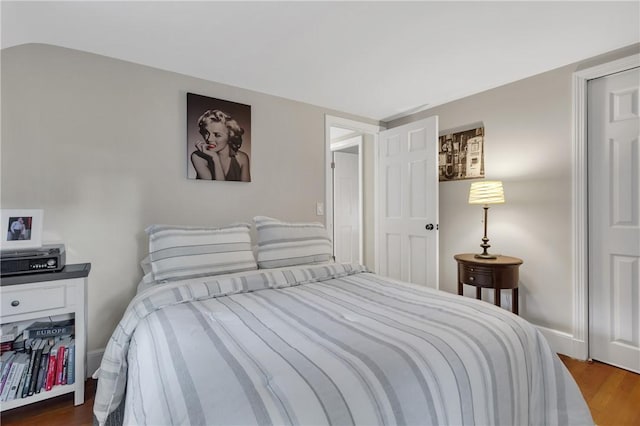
373	59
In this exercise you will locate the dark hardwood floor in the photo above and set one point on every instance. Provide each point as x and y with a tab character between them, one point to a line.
613	396
58	411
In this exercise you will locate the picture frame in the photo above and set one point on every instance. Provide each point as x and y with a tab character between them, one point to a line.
461	154
21	229
218	139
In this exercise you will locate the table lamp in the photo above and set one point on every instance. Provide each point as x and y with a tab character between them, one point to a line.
486	192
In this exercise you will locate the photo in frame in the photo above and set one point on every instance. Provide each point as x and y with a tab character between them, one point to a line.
218	139
461	155
21	228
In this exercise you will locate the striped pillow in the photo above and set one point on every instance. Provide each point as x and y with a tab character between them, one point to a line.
287	244
180	252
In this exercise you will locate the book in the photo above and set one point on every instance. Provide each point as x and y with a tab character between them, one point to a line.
6	346
11	384
7	361
18	344
46	329
9	333
51	370
44	363
23	378
59	364
5	357
20	366
24	388
9	380
65	368
71	375
37	348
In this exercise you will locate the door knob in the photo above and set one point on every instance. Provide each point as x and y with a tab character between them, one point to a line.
429	227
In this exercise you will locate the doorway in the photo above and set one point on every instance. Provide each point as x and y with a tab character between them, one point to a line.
348	196
350	208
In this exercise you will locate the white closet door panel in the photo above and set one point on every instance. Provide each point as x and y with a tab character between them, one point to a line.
614	225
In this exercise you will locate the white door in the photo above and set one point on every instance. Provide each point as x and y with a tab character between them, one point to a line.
408	202
346	209
614	218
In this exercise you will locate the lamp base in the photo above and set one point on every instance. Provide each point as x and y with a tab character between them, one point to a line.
485	246
485	241
486	256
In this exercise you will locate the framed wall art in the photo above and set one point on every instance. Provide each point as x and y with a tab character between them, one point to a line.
218	139
21	229
461	155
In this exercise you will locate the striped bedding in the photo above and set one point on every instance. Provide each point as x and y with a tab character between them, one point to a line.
182	252
291	243
328	344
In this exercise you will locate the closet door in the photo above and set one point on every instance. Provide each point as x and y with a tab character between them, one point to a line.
614	218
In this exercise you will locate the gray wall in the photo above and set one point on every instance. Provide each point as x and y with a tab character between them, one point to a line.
99	144
528	145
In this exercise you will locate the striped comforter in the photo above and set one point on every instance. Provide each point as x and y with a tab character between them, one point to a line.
328	344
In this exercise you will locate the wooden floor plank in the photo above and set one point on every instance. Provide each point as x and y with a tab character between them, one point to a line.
606	393
613	394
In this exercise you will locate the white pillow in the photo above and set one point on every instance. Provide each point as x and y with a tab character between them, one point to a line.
146	282
145	264
291	243
181	252
148	278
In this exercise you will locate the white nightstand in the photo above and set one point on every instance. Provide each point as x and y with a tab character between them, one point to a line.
42	295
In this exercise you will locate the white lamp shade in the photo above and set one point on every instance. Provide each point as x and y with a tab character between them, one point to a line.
486	192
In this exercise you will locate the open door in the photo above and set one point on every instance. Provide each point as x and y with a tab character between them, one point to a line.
408	202
345	135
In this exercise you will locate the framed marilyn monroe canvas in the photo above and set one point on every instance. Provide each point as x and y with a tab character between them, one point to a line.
218	139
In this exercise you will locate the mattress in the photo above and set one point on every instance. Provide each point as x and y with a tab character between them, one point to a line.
329	344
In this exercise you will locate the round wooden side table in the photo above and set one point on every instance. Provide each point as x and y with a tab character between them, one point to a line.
501	273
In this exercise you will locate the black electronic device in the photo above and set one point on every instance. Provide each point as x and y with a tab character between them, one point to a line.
48	258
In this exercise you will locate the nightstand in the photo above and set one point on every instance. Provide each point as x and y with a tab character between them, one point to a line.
30	297
499	274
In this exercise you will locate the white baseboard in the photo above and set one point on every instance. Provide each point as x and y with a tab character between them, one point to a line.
564	343
94	358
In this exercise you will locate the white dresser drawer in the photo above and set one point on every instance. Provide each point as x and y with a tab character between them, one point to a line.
24	301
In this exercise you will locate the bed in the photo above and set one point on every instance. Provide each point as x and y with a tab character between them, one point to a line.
326	343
